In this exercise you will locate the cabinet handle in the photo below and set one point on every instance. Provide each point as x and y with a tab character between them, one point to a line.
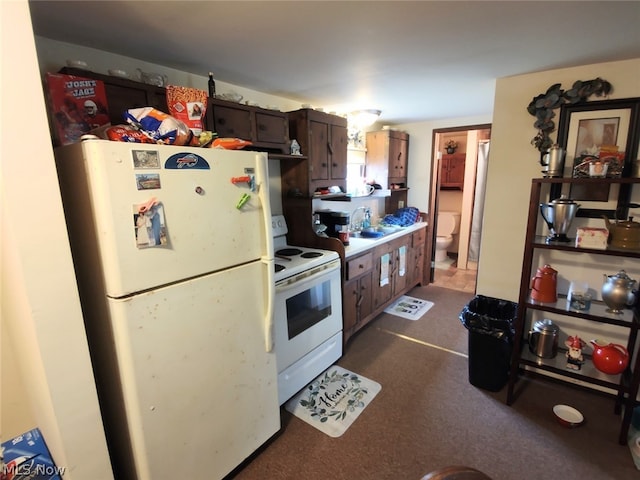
359	302
329	148
361	266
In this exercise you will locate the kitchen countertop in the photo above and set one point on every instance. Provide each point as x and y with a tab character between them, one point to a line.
359	245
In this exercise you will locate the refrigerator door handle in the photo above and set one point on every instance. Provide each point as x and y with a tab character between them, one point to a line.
262	181
268	321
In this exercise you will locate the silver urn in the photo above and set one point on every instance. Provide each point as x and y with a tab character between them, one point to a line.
618	291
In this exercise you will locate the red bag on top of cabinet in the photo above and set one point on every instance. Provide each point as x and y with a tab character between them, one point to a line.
77	105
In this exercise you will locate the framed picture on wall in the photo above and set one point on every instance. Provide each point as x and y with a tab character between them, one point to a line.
601	141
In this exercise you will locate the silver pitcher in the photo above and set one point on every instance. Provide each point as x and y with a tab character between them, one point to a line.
558	215
553	160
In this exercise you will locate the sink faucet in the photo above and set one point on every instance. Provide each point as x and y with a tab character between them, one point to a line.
358	225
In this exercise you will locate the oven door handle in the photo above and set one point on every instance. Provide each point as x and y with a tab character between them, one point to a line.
309	279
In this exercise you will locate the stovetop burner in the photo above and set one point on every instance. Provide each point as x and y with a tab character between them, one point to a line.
292	260
289	252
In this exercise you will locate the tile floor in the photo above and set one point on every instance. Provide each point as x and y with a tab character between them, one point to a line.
455	279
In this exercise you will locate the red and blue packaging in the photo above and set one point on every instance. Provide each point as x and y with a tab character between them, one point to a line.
27	457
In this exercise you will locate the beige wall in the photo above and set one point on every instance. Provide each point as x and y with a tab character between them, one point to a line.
41	316
514	162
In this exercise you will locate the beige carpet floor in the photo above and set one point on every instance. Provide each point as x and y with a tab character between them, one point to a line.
428	416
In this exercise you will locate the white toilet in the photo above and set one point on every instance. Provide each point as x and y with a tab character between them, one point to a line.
448	224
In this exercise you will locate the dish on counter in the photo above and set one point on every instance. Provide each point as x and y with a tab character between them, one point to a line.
230	97
78	64
118	73
568	416
388	228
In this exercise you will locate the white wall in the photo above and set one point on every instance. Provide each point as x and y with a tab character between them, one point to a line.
52	55
41	315
514	162
420	151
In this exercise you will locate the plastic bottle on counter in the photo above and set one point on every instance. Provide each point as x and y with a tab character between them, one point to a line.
212	86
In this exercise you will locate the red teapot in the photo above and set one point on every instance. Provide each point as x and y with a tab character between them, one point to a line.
543	285
611	358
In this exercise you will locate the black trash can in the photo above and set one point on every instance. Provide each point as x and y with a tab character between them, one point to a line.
490	322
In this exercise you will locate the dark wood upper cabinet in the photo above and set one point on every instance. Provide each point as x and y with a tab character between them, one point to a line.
267	130
387	152
323	139
123	94
453	170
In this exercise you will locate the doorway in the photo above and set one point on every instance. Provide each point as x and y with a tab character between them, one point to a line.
461	191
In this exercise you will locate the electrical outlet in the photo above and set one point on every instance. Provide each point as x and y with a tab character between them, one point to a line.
400	203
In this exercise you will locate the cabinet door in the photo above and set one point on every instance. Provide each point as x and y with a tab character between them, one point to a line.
122	99
123	94
416	266
382	275
357	303
157	98
231	122
364	308
338	152
453	170
377	163
319	150
350	299
397	158
401	261
272	128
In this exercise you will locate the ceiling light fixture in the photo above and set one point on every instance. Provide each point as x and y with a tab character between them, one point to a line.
364	118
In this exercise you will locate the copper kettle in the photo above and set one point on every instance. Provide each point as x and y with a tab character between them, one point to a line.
544	285
623	234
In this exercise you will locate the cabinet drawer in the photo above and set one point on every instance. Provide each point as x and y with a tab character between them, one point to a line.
359	265
419	237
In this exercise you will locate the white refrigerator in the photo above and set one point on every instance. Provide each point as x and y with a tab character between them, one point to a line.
173	254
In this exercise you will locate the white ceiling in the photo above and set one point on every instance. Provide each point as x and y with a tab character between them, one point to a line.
415	61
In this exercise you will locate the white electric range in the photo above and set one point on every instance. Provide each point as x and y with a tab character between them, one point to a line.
307	311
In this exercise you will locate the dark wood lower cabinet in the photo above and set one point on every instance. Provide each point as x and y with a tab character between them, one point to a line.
379	276
357	291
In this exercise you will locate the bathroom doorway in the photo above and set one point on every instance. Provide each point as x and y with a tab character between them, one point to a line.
458	182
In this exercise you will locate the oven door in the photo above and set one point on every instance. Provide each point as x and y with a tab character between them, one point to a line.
307	312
